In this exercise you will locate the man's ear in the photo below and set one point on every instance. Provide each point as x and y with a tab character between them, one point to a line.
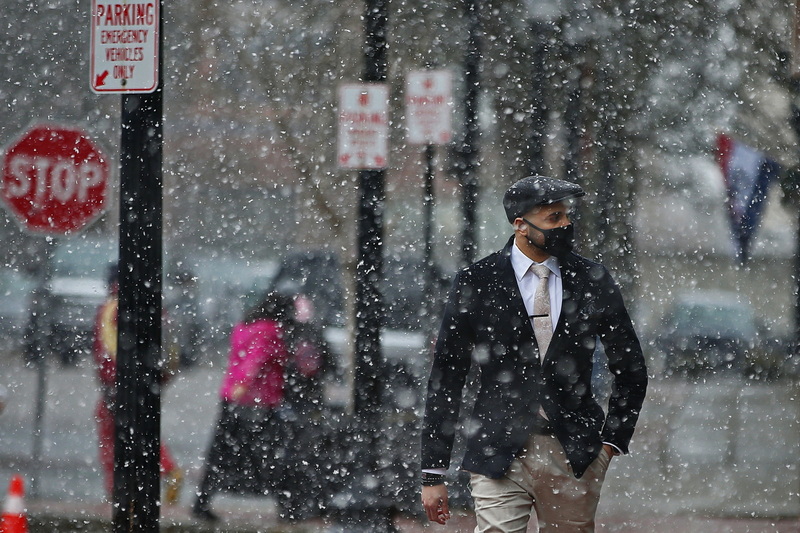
519	225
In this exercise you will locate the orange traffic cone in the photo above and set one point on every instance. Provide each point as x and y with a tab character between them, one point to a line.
14	519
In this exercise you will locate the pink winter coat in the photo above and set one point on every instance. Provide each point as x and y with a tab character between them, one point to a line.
257	360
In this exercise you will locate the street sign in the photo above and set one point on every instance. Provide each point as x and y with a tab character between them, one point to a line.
54	179
124	46
363	126
429	105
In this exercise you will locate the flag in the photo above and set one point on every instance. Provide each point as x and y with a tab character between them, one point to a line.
748	174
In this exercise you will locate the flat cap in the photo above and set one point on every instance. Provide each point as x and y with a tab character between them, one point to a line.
529	192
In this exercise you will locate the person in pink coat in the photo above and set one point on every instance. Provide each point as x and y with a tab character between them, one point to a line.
246	452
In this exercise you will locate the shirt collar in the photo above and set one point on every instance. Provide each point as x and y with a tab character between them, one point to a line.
522	263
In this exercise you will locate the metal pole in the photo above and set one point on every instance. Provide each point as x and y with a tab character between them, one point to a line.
573	114
370	234
138	402
368	510
428	198
795	121
40	330
38	423
795	352
538	121
468	150
608	152
574	123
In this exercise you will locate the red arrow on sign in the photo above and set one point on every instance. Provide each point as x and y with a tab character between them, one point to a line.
101	78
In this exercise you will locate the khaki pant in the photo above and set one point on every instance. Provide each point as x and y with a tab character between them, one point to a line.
540	480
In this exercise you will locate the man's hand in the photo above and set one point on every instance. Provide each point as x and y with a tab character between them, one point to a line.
434	500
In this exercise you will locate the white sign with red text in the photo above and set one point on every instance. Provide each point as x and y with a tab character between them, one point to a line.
124	46
363	141
429	105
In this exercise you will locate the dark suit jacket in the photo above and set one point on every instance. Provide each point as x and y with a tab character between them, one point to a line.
485	309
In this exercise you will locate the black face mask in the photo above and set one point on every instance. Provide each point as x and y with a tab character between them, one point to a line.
557	241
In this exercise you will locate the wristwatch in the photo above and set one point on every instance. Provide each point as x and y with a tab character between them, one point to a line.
431	480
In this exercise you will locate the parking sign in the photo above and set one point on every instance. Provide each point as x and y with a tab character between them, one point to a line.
429	104
363	141
124	46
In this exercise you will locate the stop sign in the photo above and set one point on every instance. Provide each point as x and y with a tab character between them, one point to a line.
54	179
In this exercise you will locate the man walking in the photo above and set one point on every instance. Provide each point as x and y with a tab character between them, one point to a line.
530	316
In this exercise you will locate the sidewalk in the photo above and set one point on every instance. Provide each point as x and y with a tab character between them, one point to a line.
66	518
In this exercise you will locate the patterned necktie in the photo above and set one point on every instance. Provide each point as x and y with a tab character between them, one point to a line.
542	323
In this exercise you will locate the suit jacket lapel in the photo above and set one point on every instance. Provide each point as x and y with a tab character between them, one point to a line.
515	304
508	282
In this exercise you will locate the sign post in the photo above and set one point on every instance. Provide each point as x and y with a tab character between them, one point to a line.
54	182
467	149
127	58
138	416
363	145
429	105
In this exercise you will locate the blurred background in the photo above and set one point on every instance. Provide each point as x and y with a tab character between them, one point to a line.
625	98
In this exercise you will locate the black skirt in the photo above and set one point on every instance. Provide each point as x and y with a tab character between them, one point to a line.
249	451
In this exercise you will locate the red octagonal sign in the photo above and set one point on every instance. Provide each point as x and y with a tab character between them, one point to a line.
54	179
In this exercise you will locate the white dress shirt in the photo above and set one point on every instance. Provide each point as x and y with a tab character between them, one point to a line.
528	281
